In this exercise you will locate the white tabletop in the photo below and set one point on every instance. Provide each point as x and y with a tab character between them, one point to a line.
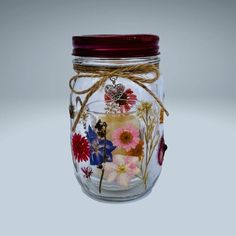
195	194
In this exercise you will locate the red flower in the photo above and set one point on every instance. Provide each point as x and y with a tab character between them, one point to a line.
126	101
80	147
161	151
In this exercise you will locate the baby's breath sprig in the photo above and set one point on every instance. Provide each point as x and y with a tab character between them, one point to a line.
149	116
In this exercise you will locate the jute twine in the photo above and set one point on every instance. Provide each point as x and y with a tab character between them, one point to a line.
131	73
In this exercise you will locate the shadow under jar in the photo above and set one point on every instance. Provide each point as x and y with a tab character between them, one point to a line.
117	115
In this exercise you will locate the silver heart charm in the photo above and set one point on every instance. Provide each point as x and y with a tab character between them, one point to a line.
114	92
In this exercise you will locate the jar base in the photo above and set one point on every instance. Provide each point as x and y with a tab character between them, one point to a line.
111	197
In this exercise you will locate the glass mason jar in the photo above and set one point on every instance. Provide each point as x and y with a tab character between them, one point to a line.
117	114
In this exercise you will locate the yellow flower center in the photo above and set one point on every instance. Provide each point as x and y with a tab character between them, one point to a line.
121	169
147	105
126	137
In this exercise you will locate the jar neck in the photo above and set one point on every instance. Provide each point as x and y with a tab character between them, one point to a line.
95	61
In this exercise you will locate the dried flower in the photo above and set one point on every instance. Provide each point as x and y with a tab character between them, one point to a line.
80	147
150	118
126	137
161	151
137	151
87	171
112	108
71	111
84	116
161	116
143	108
126	100
121	170
97	146
101	128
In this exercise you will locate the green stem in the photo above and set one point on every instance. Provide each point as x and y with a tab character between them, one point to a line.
100	183
151	151
104	160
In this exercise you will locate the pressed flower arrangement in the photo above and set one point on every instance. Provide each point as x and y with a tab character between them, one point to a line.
117	136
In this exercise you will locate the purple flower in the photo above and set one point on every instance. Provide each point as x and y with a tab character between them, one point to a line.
87	171
100	150
161	152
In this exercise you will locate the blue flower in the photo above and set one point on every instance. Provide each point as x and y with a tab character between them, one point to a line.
97	150
91	135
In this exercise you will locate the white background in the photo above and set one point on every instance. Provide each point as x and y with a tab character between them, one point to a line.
195	194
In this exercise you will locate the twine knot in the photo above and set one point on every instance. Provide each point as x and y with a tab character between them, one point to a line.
131	73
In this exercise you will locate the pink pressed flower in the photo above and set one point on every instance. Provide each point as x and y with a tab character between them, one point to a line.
122	169
126	137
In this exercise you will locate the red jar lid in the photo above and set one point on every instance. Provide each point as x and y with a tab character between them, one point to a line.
115	45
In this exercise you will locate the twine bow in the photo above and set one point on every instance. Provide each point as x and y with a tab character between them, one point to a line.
105	73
